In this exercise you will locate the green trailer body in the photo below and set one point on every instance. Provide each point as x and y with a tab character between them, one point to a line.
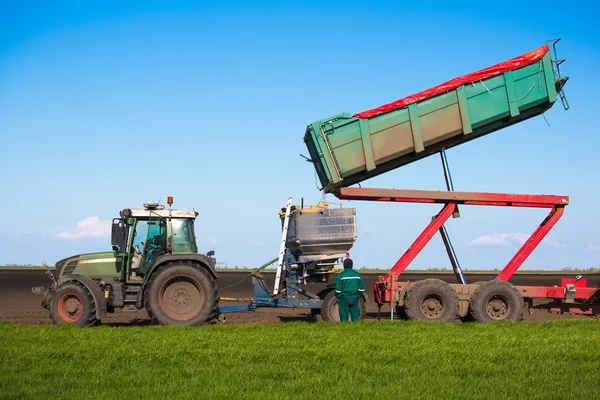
346	149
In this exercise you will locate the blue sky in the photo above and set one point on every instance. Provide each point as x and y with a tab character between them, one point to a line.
104	106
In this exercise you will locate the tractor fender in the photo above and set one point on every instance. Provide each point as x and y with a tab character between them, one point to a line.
198	258
95	290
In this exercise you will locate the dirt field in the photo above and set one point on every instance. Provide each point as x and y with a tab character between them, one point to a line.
18	304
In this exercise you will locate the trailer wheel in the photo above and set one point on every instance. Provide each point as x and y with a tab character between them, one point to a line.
468	317
431	300
330	311
72	303
181	294
496	301
401	313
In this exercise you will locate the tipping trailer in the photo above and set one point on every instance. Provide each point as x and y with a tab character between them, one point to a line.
347	149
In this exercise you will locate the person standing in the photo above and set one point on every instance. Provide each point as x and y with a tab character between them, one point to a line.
349	288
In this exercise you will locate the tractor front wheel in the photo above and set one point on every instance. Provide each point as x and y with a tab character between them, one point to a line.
181	294
72	303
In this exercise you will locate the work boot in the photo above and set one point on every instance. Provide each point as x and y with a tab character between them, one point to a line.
135	277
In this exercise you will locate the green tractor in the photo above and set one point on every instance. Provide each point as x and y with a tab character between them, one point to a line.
154	264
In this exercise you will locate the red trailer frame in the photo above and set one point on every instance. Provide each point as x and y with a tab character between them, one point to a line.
573	295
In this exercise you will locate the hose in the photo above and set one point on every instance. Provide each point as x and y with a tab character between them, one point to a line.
265	265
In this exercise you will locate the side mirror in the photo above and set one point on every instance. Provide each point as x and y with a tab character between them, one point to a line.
119	235
210	253
114	234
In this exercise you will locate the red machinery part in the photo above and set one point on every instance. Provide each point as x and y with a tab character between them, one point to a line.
378	295
450	200
578	283
554	292
584	301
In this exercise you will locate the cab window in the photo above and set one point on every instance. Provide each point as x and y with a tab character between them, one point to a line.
183	236
149	242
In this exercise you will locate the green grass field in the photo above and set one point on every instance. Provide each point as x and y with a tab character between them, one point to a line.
302	360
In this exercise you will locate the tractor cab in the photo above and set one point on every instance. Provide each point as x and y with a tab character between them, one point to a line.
145	235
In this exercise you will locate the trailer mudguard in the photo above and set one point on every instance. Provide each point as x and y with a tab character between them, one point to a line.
96	292
198	258
402	294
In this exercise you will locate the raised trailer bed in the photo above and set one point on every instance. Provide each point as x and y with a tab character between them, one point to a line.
433	299
346	149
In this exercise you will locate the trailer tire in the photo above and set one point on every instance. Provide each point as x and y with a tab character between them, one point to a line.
496	301
330	311
181	293
468	317
401	313
72	303
431	300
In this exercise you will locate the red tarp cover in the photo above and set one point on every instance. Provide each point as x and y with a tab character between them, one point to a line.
514	63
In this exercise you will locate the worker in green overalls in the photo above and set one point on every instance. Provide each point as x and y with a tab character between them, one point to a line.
349	288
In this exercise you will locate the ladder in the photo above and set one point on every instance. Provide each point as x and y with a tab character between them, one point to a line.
286	222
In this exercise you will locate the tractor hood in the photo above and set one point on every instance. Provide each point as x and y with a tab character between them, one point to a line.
90	263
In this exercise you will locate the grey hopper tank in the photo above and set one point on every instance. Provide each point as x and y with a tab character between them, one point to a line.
321	231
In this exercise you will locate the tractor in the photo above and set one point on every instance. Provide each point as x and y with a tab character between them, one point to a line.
154	264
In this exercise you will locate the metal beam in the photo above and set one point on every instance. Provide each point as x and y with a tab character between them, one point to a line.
420	242
280	260
534	240
415	128
460	277
441	196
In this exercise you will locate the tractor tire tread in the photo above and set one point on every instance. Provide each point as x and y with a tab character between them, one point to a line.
89	319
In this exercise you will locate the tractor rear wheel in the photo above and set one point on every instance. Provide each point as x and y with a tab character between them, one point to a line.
72	303
181	294
496	301
330	311
431	300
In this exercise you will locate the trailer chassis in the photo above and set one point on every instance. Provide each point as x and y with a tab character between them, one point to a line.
572	296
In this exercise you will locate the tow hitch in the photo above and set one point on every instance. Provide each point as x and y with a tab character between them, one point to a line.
46	293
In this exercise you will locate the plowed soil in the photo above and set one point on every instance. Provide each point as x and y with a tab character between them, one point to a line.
19	305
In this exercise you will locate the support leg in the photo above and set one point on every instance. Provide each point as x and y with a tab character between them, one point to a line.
531	243
421	241
460	277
